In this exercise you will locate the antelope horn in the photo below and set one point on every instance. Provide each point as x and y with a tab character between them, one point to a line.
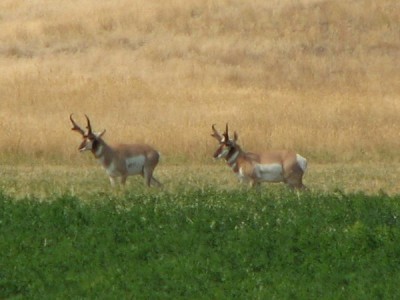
89	127
216	134
76	126
226	134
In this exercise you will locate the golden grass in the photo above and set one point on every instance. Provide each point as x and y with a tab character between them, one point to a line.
321	77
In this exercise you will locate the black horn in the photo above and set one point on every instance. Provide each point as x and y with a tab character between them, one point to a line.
76	126
89	127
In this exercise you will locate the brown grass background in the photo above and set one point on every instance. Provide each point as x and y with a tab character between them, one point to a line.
320	77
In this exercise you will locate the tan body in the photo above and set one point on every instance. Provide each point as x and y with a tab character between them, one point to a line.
121	160
273	166
125	160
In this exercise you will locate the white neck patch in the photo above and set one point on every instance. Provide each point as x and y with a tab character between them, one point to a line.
233	157
99	151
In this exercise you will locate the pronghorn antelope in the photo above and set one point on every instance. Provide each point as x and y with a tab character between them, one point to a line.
121	160
274	166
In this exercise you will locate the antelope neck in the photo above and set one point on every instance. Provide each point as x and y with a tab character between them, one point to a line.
102	152
231	158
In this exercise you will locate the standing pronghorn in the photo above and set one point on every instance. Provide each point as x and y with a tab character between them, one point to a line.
121	160
274	166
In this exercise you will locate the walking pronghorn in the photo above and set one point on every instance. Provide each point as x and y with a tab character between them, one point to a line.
273	166
121	160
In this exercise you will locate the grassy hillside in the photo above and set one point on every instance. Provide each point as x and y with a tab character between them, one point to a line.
320	77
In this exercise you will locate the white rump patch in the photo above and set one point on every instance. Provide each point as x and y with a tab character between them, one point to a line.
302	162
134	165
269	172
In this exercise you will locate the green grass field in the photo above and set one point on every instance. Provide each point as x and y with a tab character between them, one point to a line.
200	243
65	233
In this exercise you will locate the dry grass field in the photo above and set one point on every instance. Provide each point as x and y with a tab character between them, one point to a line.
321	77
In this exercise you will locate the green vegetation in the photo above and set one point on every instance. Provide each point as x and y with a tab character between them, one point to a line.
205	243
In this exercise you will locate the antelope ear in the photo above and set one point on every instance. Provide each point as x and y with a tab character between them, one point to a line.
99	135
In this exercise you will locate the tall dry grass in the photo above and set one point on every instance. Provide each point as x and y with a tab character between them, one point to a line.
321	77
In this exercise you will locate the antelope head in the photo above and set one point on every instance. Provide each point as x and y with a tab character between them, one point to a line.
225	143
90	139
